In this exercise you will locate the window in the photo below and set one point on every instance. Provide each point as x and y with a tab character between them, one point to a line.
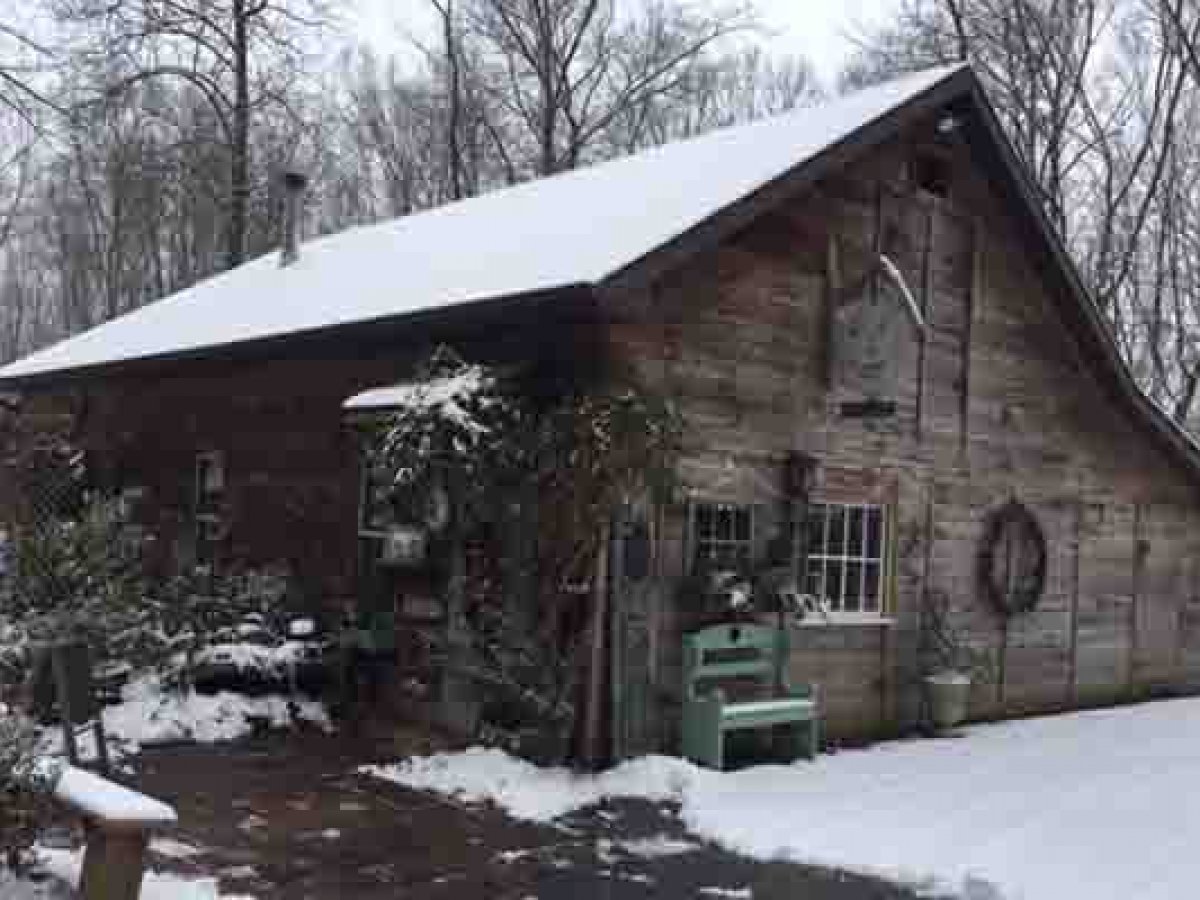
722	535
210	494
847	556
931	174
377	507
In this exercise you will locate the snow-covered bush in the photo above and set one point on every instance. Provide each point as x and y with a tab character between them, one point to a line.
75	567
22	806
77	571
14	659
543	472
198	609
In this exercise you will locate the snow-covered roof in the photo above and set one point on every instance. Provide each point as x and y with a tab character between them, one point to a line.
576	228
445	392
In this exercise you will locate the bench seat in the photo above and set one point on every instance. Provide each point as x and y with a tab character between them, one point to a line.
743	652
765	713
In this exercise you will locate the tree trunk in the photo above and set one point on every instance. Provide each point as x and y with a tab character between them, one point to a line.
455	88
240	149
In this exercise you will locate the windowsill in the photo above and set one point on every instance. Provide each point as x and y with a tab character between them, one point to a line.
844	619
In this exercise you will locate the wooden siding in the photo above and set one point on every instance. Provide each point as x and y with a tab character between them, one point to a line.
996	403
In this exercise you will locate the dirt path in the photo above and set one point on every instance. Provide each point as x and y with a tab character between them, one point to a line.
284	816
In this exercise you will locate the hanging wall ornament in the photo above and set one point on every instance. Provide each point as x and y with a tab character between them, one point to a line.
1013	559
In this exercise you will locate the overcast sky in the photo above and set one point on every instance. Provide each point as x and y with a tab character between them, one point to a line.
817	28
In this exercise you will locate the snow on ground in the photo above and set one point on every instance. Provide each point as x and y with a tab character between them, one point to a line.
150	714
528	792
1094	804
66	865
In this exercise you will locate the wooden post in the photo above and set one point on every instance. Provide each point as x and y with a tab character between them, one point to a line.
833	287
66	710
594	693
1002	665
926	306
114	862
617	627
923	713
1073	637
452	699
973	297
1135	598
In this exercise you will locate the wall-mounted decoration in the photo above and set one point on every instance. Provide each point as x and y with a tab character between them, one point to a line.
871	317
404	546
438	511
1012	559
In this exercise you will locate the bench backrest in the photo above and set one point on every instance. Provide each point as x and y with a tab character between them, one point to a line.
734	651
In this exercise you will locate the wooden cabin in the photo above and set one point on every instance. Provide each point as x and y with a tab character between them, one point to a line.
859	305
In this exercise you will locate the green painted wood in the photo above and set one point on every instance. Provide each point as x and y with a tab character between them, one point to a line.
707	716
732	669
376	632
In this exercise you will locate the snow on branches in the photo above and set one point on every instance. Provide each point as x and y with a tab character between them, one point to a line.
533	482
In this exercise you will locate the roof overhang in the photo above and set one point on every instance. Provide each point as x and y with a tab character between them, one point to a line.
388	334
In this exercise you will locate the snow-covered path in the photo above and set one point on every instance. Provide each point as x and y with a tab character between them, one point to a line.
1101	805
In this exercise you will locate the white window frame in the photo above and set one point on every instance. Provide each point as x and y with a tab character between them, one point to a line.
835	603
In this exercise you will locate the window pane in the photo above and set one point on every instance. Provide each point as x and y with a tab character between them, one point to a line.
854	532
742	523
836	538
874	533
833	582
816	528
871	591
853	592
721	534
724	526
742	555
815	568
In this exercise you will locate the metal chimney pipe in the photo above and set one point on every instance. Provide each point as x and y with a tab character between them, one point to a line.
294	184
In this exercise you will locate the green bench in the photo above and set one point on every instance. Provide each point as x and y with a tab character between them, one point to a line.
747	653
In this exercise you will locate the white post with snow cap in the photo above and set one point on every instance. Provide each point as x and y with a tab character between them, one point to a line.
118	823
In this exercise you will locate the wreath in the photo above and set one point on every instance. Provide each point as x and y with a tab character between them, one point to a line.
1013	559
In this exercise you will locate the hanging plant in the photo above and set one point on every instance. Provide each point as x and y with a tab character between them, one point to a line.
1013	559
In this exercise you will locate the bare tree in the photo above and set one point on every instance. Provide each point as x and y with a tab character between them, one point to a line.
23	61
1095	96
722	89
239	55
561	72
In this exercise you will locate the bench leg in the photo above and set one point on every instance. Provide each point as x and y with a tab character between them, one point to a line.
811	744
804	739
113	864
709	749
